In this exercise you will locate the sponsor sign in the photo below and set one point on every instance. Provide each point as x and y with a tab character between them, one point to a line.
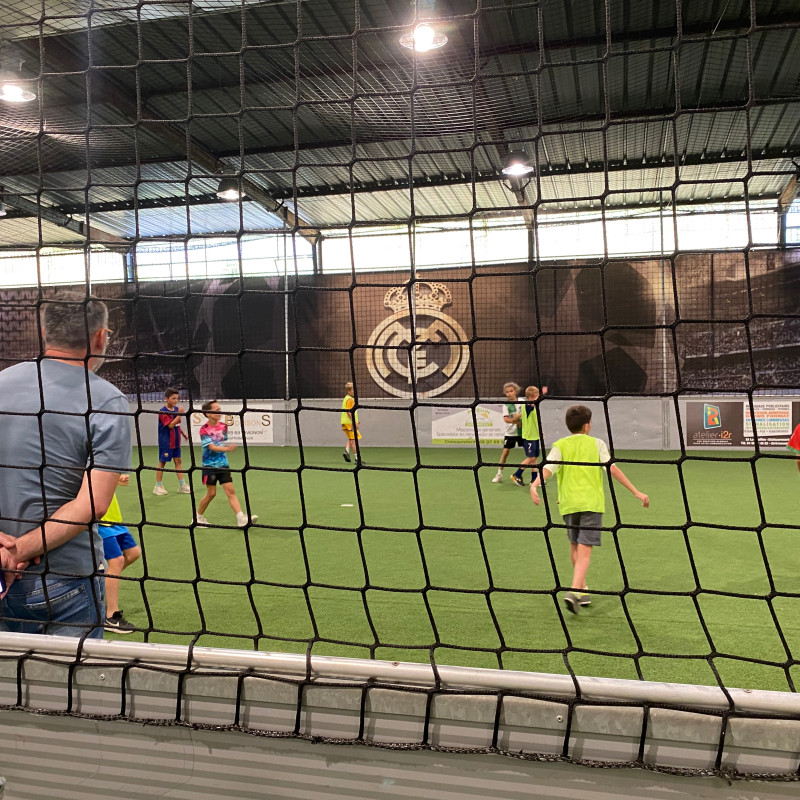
773	422
730	423
257	428
453	425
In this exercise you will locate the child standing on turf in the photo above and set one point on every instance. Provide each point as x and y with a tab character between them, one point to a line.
120	551
216	470
350	424
513	434
580	494
169	441
529	417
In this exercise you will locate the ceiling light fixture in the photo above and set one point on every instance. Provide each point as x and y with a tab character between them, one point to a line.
423	38
517	164
14	87
230	190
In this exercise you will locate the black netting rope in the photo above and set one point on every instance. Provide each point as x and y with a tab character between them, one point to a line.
701	346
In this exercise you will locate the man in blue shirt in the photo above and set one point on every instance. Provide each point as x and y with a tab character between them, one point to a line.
66	440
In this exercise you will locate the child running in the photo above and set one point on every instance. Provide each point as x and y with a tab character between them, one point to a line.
529	417
513	434
580	494
216	470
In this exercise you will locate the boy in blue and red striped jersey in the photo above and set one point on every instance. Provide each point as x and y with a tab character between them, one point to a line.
169	441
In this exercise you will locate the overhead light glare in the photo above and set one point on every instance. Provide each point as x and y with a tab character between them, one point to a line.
517	164
423	39
12	92
229	190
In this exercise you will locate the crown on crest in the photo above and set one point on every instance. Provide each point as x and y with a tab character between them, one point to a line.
426	295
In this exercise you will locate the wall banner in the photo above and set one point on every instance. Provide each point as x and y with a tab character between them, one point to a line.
454	425
729	423
257	424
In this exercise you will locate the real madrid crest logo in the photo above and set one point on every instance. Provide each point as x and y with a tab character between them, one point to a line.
433	357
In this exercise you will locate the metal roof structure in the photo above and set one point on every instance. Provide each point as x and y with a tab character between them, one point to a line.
330	123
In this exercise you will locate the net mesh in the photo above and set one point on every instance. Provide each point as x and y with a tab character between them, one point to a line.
681	117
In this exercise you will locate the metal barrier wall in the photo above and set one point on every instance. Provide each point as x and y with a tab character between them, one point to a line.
115	719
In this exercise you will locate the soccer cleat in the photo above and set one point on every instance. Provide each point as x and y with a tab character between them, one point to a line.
185	489
159	490
517	481
116	623
346	456
498	478
572	602
584	598
201	521
242	520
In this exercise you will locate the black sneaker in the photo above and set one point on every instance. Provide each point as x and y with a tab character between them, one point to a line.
346	456
116	623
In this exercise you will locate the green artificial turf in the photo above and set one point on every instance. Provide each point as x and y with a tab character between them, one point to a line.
395	561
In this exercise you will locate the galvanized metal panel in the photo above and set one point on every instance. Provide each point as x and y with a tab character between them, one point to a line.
80	757
73	759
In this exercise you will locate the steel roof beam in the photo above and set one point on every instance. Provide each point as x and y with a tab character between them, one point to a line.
567	125
555	171
789	192
423	182
570	125
92	232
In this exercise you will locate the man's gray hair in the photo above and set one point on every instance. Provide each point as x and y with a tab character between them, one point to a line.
71	320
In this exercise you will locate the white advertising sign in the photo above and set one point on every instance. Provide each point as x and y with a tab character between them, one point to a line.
773	418
257	424
453	425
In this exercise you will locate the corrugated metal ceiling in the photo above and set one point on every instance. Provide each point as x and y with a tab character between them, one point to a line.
318	105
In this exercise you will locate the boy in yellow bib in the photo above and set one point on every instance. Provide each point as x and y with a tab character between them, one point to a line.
529	422
581	498
349	420
120	551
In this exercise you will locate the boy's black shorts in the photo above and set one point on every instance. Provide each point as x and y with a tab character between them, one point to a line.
510	442
211	477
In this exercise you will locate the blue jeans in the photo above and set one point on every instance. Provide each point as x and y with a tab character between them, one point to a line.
71	606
